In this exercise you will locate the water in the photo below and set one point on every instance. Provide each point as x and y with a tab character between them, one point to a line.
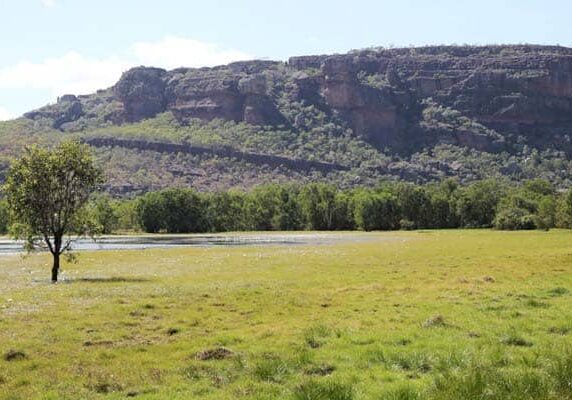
167	241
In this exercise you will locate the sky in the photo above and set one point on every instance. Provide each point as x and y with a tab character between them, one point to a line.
53	47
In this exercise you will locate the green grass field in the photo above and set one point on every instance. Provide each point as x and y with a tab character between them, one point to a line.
406	315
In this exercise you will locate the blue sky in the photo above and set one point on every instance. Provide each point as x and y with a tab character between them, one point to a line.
53	47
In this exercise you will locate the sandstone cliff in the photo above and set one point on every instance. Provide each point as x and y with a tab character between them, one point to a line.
518	93
416	113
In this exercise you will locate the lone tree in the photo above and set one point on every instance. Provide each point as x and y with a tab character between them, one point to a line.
47	190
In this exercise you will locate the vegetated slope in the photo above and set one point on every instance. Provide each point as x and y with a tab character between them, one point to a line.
418	114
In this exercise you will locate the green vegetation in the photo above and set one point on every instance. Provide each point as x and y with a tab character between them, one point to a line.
321	140
390	206
105	213
131	171
4	217
448	119
450	314
425	140
46	191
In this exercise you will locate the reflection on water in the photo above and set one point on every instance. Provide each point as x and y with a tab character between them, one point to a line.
165	241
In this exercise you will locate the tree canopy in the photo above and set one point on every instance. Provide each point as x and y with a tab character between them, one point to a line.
46	191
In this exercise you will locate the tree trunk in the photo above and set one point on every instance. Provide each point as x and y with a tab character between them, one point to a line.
56	267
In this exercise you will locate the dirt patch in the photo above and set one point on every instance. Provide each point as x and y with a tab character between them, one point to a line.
321	370
173	331
90	343
105	387
15	355
219	353
515	341
435	321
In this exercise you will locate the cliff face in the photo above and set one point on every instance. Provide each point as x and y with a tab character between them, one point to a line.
389	97
418	114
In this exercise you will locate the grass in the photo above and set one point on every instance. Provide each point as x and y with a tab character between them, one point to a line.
406	316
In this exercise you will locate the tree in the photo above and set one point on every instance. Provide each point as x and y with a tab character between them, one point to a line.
376	211
288	216
539	187
414	203
564	210
47	190
225	211
260	207
175	210
343	218
318	205
443	198
3	217
105	214
127	217
477	203
184	211
150	210
515	212
546	213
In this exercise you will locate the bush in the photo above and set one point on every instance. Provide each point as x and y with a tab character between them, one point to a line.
512	219
406	225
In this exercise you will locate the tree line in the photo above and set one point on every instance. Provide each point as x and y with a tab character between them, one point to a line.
535	204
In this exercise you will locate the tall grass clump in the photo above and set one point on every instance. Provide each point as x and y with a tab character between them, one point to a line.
323	390
479	381
406	392
271	369
561	373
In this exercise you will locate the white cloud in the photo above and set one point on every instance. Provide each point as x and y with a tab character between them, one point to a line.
70	73
48	3
5	114
75	73
173	52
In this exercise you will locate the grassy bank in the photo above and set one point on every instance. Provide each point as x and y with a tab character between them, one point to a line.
406	315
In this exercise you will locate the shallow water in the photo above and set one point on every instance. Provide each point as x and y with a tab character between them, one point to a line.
166	241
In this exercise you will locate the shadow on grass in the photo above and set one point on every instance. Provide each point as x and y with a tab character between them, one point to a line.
111	279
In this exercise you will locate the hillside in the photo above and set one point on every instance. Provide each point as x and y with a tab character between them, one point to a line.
418	114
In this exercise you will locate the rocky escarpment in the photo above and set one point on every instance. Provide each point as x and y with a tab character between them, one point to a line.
67	109
495	98
238	92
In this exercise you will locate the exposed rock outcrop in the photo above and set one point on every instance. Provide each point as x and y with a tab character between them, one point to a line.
515	92
142	92
67	109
